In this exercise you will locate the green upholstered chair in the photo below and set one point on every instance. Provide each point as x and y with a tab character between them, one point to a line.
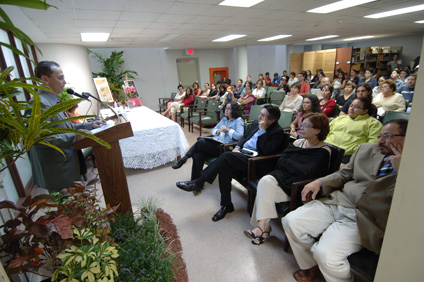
164	101
285	120
208	117
391	115
276	97
193	111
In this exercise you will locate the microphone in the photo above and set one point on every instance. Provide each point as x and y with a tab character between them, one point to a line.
72	92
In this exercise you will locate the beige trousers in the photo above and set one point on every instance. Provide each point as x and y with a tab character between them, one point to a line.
175	107
340	238
267	195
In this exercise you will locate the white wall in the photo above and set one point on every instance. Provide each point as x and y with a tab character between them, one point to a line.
157	68
74	62
402	252
266	58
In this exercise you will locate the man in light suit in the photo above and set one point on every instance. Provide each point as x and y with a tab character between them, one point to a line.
50	169
353	212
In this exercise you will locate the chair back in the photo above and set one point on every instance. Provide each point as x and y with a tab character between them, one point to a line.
276	97
286	119
212	107
336	111
391	115
269	90
173	94
255	111
335	159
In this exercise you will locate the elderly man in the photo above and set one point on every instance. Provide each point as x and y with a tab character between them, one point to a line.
265	136
353	212
50	169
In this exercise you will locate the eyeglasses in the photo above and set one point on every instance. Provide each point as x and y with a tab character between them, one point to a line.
304	125
388	136
228	109
355	107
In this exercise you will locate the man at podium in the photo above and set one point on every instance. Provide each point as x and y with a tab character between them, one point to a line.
50	169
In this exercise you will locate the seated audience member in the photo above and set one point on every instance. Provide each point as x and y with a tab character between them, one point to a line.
292	78
206	92
259	91
178	98
228	96
407	90
267	79
395	77
249	78
213	93
324	82
277	79
283	85
261	79
304	89
376	90
395	63
315	80
293	101
304	159
310	105
285	75
229	129
339	83
264	136
248	99
319	77
197	92
328	105
368	78
362	90
404	73
361	74
357	127
175	107
221	93
239	89
388	100
353	77
353	212
347	94
309	77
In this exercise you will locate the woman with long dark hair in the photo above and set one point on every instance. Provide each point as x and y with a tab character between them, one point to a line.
310	105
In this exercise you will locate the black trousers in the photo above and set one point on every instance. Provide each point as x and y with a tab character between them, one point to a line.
202	150
229	165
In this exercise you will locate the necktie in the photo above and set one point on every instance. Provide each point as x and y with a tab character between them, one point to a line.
386	168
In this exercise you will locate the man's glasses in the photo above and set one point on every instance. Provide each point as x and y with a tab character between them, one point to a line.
387	136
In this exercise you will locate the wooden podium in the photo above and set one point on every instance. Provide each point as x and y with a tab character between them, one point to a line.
110	165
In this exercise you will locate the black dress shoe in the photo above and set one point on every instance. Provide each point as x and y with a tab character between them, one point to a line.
222	212
189	186
180	163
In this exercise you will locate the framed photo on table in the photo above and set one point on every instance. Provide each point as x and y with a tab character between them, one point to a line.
130	83
103	89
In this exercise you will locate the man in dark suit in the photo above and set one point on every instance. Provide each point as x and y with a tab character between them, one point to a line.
264	136
50	169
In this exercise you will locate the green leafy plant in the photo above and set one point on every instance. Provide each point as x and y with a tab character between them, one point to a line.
43	227
18	131
90	260
112	69
143	252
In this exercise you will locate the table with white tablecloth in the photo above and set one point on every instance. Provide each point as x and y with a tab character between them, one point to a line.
157	140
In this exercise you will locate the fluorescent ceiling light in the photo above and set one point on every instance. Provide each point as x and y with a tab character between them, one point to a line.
358	38
339	5
396	12
94	36
228	38
420	22
322	37
275	37
240	3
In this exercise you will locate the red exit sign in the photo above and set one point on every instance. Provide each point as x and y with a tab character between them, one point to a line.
189	51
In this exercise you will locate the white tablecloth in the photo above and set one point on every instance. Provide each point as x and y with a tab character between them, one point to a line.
157	140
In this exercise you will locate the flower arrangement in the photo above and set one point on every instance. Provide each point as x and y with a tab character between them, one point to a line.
131	92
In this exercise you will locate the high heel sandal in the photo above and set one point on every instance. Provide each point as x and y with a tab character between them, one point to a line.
261	239
249	233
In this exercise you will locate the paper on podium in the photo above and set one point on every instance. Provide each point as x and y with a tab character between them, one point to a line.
108	124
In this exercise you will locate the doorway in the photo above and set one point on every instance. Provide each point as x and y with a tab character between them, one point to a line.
218	74
188	71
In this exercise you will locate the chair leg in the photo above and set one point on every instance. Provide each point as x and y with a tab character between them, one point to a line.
250	201
286	244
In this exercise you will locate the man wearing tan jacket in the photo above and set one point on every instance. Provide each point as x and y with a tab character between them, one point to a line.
353	212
